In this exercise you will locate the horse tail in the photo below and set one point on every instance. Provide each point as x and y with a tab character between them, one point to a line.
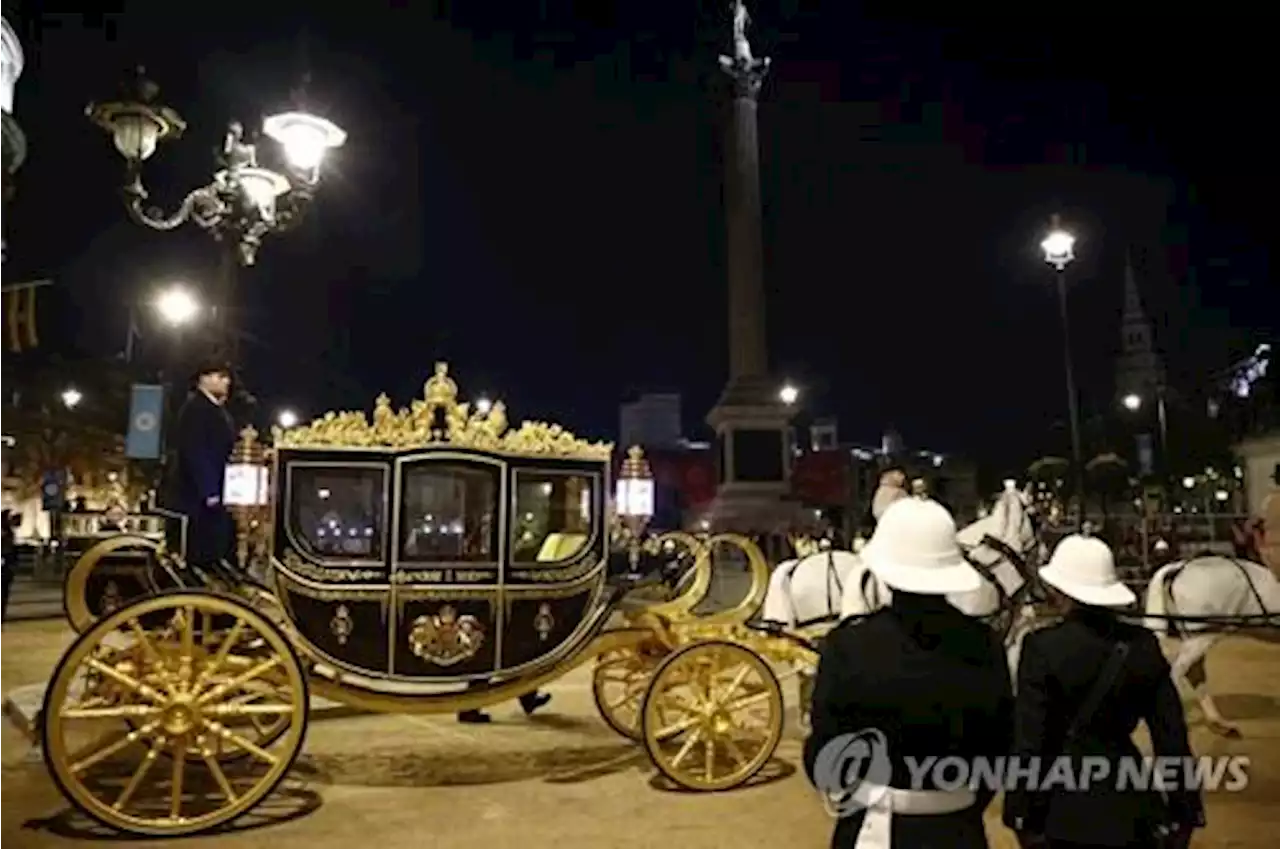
1156	604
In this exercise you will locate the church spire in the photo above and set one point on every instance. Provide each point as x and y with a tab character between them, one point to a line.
1139	369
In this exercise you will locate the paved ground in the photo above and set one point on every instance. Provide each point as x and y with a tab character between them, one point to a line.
562	781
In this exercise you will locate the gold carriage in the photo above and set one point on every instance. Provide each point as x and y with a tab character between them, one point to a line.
428	559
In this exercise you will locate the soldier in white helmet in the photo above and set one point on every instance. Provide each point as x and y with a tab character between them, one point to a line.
915	680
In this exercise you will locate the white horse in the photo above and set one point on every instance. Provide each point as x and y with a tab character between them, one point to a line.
832	585
1217	595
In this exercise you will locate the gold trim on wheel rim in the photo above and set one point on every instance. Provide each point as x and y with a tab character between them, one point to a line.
180	690
712	717
618	685
75	602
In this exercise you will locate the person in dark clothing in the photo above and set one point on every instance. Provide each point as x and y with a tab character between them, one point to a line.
204	436
1059	669
529	702
931	680
9	561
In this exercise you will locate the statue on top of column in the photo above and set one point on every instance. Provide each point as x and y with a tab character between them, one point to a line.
741	47
743	64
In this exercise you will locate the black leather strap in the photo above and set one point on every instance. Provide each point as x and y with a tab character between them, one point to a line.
1101	686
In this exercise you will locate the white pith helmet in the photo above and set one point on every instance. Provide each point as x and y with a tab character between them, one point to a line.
914	549
1083	568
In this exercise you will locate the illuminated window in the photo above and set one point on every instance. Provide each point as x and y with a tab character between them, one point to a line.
336	512
552	519
448	513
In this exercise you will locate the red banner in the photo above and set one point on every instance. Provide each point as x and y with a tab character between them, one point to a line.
821	478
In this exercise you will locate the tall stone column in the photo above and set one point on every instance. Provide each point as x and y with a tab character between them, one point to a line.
750	421
15	142
747	346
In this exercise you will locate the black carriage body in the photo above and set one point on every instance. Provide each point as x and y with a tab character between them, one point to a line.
439	565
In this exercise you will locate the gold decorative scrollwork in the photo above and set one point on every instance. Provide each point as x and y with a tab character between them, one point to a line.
439	420
543	622
341	625
567	573
445	638
294	563
417	576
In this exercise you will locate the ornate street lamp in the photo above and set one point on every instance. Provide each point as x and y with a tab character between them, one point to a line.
244	201
633	499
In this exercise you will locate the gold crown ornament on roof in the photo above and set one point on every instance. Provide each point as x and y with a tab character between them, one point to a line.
438	419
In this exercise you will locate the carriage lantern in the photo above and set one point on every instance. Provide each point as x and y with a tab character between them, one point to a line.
634	497
245	490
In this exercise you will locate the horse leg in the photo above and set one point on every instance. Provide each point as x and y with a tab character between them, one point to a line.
1190	674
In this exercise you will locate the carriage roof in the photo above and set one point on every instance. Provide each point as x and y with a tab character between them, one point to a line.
440	420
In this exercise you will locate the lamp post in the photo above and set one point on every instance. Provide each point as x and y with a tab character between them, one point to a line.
633	499
244	201
1059	251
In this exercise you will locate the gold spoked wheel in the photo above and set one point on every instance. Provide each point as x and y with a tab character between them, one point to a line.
712	717
126	694
618	685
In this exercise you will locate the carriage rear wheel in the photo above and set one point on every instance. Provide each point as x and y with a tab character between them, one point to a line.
712	716
129	691
618	685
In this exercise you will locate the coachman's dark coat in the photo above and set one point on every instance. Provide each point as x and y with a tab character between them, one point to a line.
1057	668
205	437
936	683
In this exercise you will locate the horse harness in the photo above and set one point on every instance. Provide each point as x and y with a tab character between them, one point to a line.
1173	619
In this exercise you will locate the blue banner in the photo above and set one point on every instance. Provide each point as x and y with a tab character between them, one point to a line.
146	415
53	490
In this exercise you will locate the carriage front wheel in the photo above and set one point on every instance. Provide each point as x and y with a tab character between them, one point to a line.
712	716
144	706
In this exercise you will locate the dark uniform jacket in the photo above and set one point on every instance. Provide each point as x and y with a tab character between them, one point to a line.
1056	670
936	683
205	437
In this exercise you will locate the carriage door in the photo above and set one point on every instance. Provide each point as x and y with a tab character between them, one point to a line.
446	567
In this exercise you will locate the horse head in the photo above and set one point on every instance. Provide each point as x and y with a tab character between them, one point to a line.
1004	546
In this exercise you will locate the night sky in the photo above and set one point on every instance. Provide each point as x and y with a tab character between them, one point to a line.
533	191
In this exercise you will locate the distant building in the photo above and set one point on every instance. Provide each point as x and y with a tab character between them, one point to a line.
15	141
652	420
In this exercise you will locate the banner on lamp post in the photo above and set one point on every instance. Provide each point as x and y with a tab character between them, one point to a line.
146	415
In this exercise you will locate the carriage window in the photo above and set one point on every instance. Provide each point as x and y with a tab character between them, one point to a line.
449	513
336	512
552	520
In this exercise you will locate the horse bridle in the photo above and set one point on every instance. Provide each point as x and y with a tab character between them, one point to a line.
1020	560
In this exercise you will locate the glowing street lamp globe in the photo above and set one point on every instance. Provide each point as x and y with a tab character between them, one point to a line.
788	394
304	138
176	306
1058	246
287	418
1132	402
71	397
